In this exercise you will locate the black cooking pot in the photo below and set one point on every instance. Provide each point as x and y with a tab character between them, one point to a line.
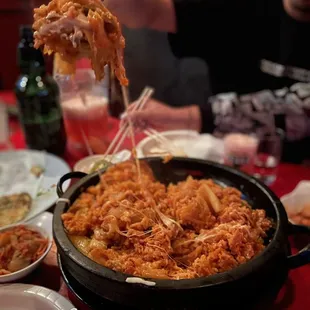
250	285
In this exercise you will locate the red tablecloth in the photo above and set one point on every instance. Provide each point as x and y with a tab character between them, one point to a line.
295	294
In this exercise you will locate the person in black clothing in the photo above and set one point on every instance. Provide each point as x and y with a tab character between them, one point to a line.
257	51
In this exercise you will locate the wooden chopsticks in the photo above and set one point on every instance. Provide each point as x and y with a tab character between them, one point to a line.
124	130
131	131
128	129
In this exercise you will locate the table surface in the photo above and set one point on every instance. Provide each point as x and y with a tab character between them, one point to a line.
293	296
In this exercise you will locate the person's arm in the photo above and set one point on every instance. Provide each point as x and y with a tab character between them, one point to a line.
287	109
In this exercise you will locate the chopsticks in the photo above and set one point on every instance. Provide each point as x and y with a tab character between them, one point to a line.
124	130
86	142
127	129
131	130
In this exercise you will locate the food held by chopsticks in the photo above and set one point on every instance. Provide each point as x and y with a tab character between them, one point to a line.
14	208
19	248
80	28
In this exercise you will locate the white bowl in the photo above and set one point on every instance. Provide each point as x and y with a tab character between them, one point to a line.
296	200
85	164
144	148
26	296
43	225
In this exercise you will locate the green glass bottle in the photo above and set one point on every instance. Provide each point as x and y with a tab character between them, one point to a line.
38	99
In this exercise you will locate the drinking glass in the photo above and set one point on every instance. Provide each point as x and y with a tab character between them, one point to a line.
240	150
268	156
85	107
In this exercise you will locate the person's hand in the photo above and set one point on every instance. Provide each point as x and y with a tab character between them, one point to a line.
154	115
161	117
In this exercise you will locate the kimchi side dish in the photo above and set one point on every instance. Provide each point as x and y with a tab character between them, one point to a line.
143	228
19	248
80	28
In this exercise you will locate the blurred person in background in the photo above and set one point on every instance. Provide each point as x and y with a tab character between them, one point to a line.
258	56
148	58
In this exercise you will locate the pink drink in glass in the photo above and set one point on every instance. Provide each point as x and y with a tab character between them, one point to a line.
86	122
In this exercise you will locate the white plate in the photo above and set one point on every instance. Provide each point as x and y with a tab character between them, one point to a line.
186	142
147	144
44	225
31	297
55	168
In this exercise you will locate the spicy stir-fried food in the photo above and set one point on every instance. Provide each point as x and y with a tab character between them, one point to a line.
81	28
192	229
19	248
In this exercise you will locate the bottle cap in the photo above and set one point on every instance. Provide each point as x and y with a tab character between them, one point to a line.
26	32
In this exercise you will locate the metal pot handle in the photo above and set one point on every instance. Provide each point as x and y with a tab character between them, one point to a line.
303	256
68	176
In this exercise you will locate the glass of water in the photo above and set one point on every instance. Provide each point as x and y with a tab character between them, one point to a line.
268	156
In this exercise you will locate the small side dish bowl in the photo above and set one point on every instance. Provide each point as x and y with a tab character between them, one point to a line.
43	225
297	204
86	164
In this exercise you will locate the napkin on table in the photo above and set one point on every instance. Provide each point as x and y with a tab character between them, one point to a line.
15	173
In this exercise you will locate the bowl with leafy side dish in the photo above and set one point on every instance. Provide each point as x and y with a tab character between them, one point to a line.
94	163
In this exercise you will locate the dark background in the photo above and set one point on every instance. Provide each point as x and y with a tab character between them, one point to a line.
13	13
